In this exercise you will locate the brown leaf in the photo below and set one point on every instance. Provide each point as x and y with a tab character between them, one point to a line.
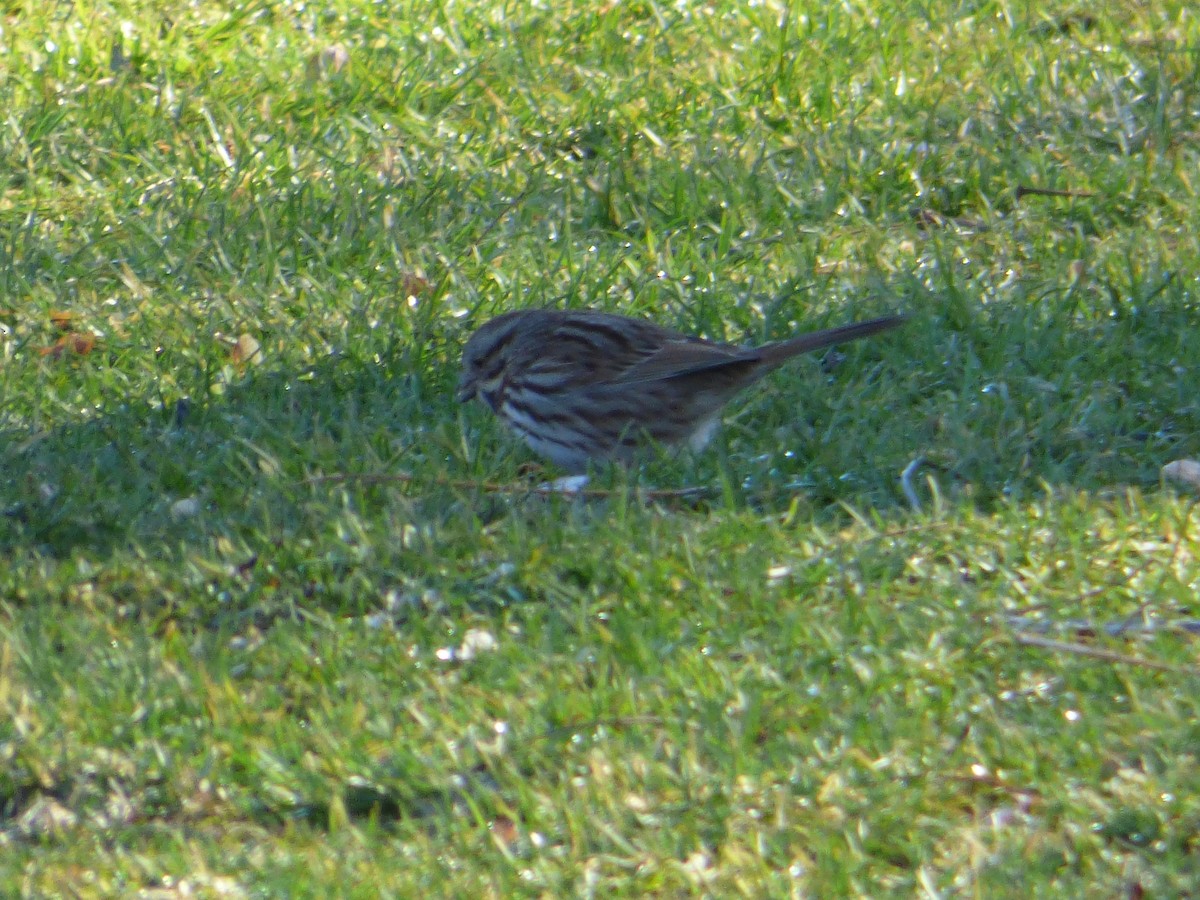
246	349
62	319
329	61
505	831
414	285
80	343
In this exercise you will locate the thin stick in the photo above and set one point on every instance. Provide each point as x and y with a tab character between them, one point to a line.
1026	191
1118	628
494	488
363	477
1030	640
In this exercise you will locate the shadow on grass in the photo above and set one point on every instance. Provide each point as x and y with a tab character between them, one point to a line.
149	472
249	460
1000	415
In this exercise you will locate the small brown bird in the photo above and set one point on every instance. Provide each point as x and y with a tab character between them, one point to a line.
580	386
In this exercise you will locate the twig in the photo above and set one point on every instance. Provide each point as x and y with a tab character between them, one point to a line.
1030	640
1126	626
495	488
362	477
603	493
1026	191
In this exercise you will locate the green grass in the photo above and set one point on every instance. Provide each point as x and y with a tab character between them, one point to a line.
267	630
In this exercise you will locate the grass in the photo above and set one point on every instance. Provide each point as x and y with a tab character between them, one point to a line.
267	631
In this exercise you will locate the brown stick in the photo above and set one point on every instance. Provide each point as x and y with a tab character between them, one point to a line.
1026	191
494	488
1030	640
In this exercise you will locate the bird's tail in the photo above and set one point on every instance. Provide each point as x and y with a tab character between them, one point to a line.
773	354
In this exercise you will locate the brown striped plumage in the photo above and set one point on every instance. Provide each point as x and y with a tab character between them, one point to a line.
581	386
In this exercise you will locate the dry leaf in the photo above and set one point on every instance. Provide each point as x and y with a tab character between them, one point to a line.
413	285
46	816
505	831
61	319
246	349
136	286
327	62
77	342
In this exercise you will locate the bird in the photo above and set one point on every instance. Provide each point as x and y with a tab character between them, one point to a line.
582	386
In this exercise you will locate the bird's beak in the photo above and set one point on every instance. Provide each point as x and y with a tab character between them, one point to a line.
466	389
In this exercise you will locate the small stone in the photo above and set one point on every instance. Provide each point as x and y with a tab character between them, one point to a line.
185	508
1183	471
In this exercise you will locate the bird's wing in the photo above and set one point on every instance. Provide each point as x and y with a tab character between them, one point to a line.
593	349
683	356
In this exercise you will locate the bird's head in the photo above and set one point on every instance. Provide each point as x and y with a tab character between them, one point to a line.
485	359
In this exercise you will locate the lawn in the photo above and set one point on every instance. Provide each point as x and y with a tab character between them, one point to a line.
279	618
